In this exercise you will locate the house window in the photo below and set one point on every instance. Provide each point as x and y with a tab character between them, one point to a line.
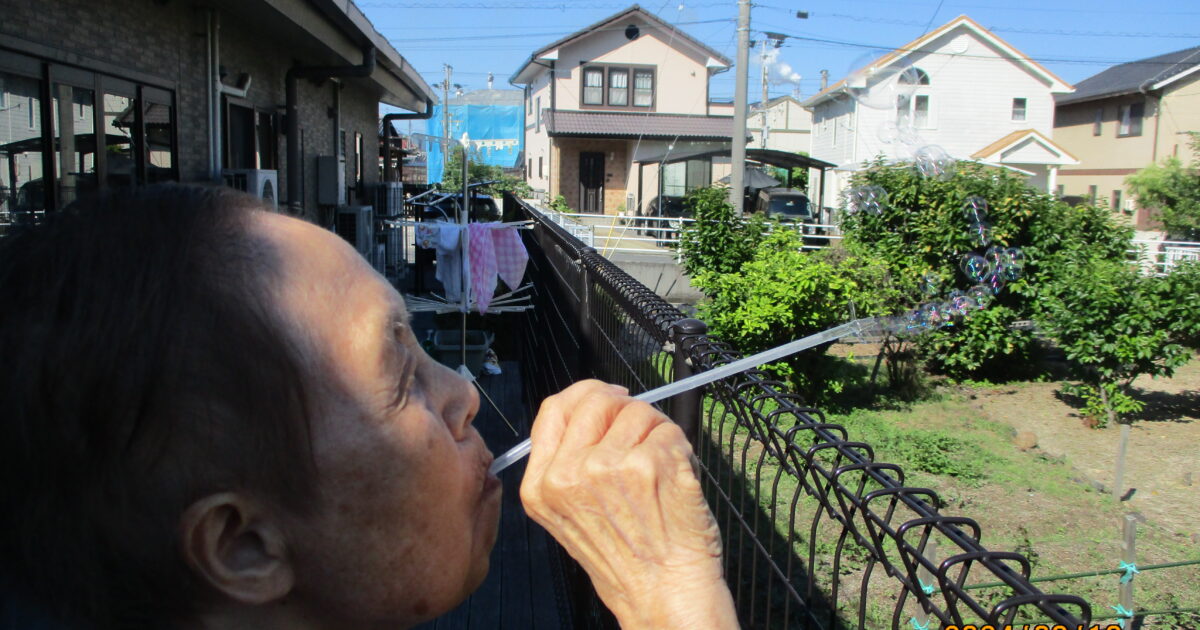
611	86
1098	122
913	76
643	88
1092	191
1130	120
618	86
539	167
593	86
681	178
1116	200
1060	191
538	114
1018	109
913	110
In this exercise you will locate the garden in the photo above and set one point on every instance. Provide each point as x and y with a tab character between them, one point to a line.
1027	368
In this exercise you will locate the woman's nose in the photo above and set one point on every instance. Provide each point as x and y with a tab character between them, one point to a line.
457	399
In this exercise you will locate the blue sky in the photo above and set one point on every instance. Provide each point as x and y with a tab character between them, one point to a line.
1073	38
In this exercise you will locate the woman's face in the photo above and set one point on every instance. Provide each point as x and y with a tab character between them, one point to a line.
406	512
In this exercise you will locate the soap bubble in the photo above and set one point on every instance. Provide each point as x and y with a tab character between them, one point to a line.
880	86
975	267
1016	256
995	281
997	256
975	209
899	133
870	199
982	295
961	303
930	283
933	162
981	234
1010	271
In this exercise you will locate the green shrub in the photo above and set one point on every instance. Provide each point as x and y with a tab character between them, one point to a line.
717	241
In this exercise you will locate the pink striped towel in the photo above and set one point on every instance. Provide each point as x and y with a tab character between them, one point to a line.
511	256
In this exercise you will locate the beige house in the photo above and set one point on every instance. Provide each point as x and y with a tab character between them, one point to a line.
784	123
600	100
1123	119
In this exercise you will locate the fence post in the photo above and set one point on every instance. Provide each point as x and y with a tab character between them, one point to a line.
687	408
1128	558
584	317
925	581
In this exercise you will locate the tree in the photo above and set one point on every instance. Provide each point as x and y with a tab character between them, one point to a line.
717	241
1115	325
480	172
783	292
1172	190
922	231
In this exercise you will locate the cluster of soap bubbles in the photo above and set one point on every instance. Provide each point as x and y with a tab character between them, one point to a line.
988	274
865	199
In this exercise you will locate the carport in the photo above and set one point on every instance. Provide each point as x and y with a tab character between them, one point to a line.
781	159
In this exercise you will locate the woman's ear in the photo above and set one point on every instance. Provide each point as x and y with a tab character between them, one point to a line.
238	548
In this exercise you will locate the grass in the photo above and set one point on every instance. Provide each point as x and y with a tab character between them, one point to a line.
1024	501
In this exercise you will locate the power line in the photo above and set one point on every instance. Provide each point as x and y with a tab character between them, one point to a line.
1106	62
1013	29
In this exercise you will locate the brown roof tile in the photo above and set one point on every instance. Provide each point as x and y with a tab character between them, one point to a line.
638	125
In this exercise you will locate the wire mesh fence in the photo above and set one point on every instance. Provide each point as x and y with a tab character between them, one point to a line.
817	532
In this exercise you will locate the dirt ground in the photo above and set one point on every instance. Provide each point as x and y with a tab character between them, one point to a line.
1163	461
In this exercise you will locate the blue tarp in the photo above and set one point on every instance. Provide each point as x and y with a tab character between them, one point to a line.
494	130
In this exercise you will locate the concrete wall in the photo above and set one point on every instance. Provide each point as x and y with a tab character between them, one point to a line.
164	43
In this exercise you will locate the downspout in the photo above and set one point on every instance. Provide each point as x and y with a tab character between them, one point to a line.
294	74
212	33
553	108
387	133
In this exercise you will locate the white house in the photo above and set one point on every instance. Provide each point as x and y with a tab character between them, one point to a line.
959	87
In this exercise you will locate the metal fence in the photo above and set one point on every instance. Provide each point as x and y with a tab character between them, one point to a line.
1162	257
817	533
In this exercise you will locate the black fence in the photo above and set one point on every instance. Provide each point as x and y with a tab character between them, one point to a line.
817	533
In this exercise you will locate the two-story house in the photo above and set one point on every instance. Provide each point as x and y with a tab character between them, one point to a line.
1124	118
598	100
959	87
781	124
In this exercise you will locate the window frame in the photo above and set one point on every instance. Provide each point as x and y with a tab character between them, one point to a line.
607	70
1134	122
1023	109
1098	122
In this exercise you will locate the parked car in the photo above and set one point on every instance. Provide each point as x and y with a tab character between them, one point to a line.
785	204
671	208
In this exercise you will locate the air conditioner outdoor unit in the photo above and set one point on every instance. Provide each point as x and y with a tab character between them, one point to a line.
1130	206
356	225
263	184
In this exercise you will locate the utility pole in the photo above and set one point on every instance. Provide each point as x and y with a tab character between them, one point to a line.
762	105
738	159
446	148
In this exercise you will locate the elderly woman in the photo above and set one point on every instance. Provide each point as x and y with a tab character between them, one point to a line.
218	417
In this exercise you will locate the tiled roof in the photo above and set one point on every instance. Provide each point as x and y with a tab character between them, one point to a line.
1134	76
637	125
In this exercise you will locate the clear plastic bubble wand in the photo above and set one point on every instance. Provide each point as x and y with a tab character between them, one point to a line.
860	327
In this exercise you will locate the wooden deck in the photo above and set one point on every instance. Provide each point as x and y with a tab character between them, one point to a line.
522	590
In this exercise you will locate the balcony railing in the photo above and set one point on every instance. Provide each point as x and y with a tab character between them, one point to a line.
817	532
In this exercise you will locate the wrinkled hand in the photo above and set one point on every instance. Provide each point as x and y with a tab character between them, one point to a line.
612	480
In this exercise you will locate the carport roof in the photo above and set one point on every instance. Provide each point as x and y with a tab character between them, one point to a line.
767	156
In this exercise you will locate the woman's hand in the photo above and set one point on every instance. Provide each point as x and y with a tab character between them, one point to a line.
612	480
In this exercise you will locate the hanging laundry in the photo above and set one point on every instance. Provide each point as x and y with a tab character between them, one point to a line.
449	259
511	256
483	264
427	235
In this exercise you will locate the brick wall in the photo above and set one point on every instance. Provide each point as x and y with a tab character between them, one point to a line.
166	41
616	169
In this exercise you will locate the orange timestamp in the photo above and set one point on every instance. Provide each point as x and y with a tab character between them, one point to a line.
1033	626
